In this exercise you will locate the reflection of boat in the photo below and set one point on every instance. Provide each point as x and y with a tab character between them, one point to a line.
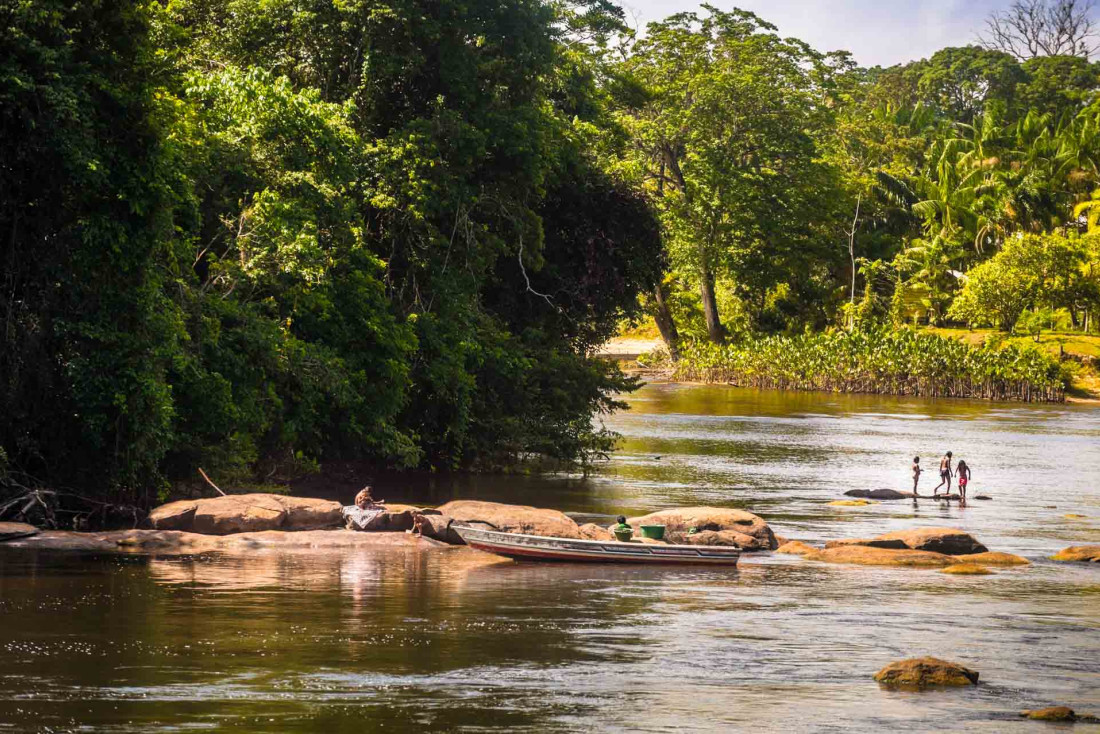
540	548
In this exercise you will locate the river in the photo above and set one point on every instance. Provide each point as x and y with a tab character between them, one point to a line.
386	640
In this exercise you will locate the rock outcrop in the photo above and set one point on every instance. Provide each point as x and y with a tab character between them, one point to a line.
926	672
951	541
993	558
869	542
1079	554
863	555
242	513
736	527
879	494
796	548
513	518
1051	713
592	531
175	541
13	530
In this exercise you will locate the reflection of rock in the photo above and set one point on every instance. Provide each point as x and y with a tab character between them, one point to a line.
1079	553
592	531
795	548
938	540
922	672
879	494
12	530
239	513
967	569
513	518
678	521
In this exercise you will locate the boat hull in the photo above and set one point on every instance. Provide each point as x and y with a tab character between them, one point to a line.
567	550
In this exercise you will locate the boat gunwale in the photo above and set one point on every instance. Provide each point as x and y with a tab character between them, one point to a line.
583	549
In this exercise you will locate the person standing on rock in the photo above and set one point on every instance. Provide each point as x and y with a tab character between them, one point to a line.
963	473
945	474
916	475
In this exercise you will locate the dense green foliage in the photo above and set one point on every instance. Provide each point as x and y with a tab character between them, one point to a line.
885	361
255	236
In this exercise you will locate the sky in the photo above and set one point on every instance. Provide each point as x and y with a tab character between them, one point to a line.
877	32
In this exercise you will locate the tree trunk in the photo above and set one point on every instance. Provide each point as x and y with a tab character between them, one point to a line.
665	324
715	331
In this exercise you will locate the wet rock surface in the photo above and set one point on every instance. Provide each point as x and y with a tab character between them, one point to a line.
513	518
1079	554
926	672
879	494
13	530
951	541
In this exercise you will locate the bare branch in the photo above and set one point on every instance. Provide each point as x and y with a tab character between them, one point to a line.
1033	28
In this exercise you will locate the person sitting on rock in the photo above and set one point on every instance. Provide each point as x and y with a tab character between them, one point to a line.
365	512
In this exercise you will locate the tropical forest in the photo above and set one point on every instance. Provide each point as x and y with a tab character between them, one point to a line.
255	238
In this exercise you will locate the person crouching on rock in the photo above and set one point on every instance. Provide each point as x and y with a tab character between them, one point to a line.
365	513
962	471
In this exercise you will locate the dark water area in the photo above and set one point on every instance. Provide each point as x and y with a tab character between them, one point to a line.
388	639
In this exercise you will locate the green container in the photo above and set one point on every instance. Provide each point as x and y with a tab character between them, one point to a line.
623	535
657	532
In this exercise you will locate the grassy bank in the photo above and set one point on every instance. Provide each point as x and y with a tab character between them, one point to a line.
887	362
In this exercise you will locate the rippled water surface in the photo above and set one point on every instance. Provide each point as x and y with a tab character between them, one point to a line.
451	639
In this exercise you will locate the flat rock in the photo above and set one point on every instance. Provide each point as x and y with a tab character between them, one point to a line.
993	558
951	541
1051	713
879	494
868	556
719	537
852	503
925	672
983	497
1079	554
966	569
678	521
242	513
179	542
13	530
513	518
796	548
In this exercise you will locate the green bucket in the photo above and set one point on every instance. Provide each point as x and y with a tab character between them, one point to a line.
623	535
657	532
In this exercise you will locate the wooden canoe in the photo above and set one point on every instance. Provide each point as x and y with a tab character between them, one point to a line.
540	548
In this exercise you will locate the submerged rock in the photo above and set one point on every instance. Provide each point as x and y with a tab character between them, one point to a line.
513	518
241	513
1079	554
967	569
925	672
951	541
1051	713
679	521
993	558
879	494
984	497
13	530
852	503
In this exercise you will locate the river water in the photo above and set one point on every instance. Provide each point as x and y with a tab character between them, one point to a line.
385	640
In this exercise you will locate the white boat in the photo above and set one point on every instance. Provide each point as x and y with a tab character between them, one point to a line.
540	548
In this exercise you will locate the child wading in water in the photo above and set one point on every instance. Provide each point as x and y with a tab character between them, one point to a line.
945	474
963	473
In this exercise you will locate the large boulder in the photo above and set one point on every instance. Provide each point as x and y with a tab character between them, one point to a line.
752	533
513	518
927	671
719	537
966	569
1079	554
869	542
951	541
993	558
241	513
13	530
879	494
